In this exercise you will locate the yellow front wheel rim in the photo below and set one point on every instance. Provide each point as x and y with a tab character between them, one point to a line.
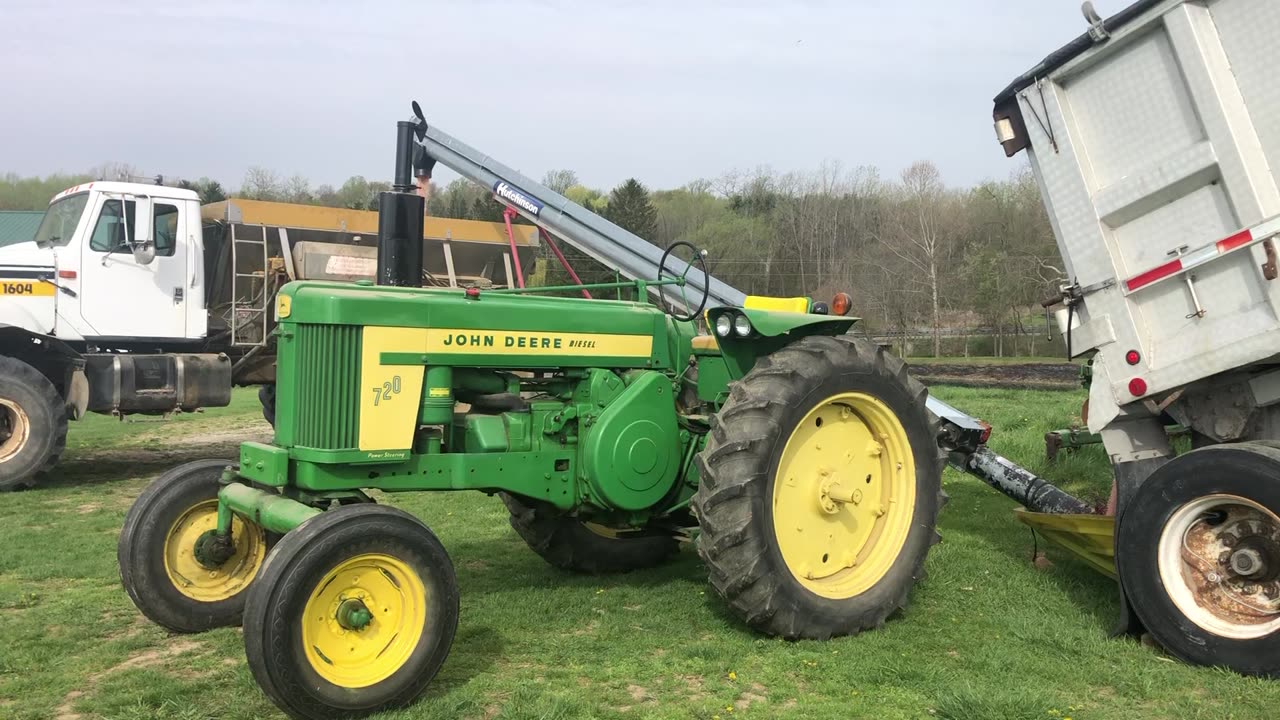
844	495
212	584
356	655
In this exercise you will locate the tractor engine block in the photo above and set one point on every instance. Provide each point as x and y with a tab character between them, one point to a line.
620	425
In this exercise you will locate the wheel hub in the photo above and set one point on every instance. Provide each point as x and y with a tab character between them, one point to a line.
205	566
1248	562
833	494
1220	561
213	550
353	614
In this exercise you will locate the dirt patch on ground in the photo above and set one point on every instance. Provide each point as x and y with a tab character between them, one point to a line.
1029	376
148	658
693	687
756	693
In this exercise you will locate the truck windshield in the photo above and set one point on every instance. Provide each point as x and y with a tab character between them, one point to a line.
60	220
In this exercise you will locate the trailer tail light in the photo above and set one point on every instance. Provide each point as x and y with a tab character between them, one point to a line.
67	274
841	304
1132	357
1137	387
986	432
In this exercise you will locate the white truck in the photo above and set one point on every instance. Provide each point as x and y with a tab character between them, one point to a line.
1155	138
134	298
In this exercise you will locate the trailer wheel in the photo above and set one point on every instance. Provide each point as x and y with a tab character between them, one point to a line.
1198	553
33	424
820	489
170	568
354	613
571	544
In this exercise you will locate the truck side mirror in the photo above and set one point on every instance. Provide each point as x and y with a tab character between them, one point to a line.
143	243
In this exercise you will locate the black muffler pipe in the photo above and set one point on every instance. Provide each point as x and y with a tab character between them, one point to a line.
400	214
1023	485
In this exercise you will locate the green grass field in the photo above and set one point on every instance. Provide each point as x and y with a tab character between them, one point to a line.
988	636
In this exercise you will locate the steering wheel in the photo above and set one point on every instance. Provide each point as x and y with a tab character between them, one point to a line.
699	257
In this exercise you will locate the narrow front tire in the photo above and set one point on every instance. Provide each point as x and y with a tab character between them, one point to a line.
355	613
174	581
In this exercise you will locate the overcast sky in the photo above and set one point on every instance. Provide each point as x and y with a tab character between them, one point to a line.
663	91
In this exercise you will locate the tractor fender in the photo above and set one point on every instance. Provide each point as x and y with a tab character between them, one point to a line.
771	331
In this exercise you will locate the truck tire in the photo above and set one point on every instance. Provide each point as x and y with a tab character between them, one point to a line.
820	487
33	424
571	544
1182	549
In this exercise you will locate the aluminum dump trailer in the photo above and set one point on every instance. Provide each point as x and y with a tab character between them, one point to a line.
1155	139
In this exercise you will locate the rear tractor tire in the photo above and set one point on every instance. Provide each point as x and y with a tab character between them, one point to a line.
572	544
820	490
33	424
172	571
355	613
267	397
1198	554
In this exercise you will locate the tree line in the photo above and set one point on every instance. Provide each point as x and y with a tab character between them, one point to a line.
916	254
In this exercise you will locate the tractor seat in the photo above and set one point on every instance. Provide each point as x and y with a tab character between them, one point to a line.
705	343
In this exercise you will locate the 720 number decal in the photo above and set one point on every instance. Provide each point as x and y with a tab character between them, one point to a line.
386	390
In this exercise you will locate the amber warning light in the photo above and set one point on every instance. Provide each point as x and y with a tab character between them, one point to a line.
841	304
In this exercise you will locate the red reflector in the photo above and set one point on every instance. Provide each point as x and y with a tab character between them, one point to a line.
473	292
1137	387
1132	357
1243	237
986	432
1153	275
67	274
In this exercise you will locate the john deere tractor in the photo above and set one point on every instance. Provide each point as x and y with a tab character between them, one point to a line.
804	458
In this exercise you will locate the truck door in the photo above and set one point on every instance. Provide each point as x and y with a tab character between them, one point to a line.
121	298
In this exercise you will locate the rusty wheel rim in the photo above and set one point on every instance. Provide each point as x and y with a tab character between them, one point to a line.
1219	561
15	428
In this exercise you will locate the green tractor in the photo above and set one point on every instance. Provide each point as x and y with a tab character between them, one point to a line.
803	457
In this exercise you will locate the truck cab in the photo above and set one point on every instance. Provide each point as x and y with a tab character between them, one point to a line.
134	298
111	261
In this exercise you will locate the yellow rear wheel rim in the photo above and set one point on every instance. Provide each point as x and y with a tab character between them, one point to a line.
212	584
396	599
844	495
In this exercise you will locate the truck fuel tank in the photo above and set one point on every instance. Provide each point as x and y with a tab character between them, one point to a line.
153	384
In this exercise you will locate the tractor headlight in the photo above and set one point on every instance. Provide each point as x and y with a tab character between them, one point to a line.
724	325
742	326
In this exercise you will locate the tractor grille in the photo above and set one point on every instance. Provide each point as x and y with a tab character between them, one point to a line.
327	411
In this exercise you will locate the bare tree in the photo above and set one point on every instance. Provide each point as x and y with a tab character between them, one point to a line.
261	184
560	180
297	189
917	234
